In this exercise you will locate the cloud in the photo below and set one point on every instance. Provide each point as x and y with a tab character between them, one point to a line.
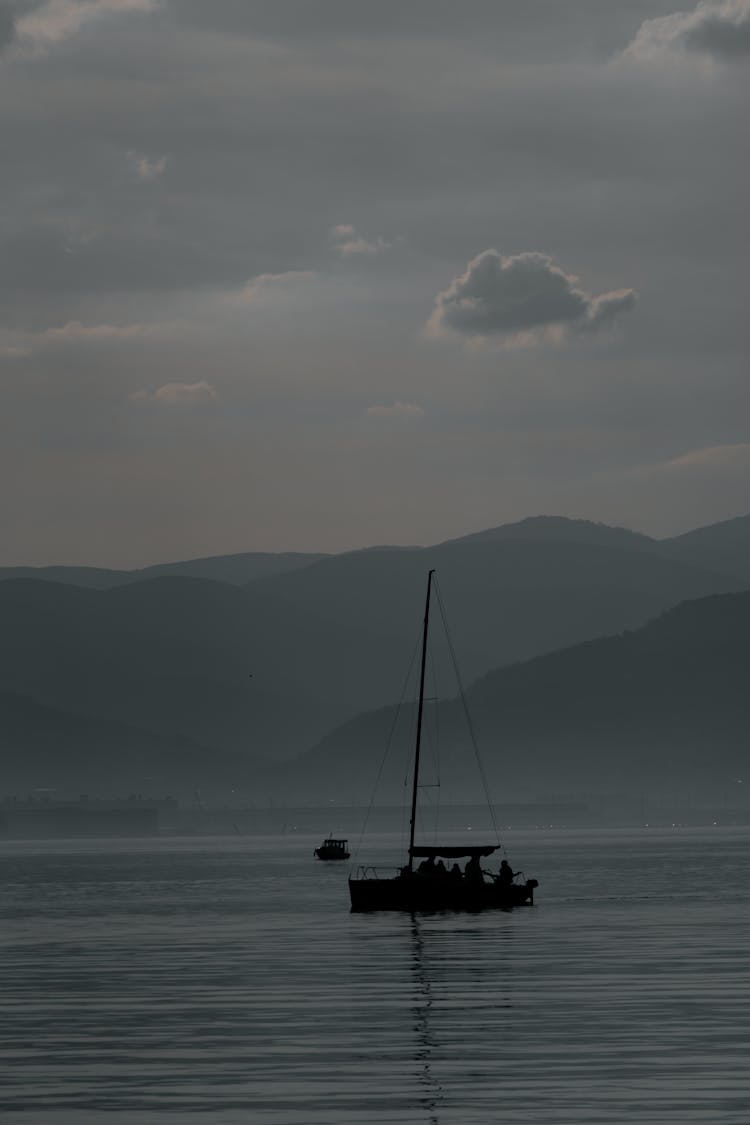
395	410
179	394
712	458
74	330
146	169
721	29
20	343
269	282
349	243
522	299
8	17
57	20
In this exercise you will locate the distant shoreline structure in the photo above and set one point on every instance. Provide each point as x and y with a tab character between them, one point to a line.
34	818
50	818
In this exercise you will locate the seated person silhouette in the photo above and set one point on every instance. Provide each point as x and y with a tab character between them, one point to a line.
473	870
505	874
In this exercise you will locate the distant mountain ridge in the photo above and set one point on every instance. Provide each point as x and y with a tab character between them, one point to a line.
180	657
263	670
235	569
665	706
722	547
51	748
559	528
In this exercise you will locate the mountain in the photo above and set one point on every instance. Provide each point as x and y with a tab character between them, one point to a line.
235	569
94	577
265	670
663	708
186	657
55	749
721	547
561	529
509	599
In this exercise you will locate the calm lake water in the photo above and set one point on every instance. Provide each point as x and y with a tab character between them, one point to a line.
224	980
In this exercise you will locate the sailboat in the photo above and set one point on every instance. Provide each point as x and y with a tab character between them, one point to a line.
431	886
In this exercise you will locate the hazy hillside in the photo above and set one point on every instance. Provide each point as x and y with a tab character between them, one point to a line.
185	657
266	669
663	708
561	529
94	577
235	569
507	599
44	747
722	547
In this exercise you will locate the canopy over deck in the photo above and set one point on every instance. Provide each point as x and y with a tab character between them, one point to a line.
451	851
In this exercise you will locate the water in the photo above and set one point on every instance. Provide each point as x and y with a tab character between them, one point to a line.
223	980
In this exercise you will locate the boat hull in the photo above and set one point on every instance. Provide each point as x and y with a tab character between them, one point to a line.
415	894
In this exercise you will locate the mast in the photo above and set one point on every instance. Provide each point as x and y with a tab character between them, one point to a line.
412	822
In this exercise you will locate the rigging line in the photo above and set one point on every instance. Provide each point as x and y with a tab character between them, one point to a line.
387	749
467	715
435	711
436	752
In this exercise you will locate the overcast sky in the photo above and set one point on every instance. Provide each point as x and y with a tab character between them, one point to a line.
321	274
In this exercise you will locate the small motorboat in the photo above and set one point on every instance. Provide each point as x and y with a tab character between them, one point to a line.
332	849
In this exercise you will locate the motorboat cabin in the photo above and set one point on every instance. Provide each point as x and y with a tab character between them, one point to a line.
333	849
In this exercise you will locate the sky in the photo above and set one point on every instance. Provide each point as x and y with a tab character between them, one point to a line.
322	274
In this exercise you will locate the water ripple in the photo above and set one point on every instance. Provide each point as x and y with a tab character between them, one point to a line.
226	982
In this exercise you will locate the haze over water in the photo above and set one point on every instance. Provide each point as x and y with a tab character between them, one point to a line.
224	980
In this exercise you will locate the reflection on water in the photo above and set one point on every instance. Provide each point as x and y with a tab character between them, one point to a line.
225	981
423	1039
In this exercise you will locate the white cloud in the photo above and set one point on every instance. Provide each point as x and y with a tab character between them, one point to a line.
712	458
145	168
58	20
349	243
721	29
270	282
395	410
16	343
179	394
521	300
74	330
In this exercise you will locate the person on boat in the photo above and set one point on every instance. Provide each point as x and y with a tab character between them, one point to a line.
427	867
505	874
456	873
440	869
473	870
